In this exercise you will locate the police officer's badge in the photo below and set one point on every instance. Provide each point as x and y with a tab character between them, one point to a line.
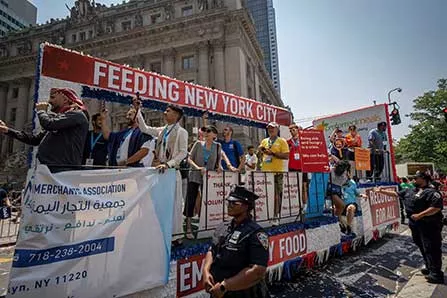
263	239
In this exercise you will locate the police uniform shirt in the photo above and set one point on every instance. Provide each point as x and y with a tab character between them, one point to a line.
237	247
418	200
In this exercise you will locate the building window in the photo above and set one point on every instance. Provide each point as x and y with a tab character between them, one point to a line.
82	36
90	34
12	115
15	94
155	18
73	37
126	26
187	62
155	67
187	11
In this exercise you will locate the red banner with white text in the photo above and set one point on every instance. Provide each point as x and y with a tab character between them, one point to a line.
71	66
384	208
313	151
287	246
190	275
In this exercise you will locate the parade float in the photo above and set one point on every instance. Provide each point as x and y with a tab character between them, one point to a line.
107	232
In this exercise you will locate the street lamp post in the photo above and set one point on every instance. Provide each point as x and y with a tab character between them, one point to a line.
391	91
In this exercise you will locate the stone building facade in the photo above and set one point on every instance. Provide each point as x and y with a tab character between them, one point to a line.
208	42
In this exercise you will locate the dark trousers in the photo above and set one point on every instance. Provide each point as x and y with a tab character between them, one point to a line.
402	209
427	236
377	163
191	196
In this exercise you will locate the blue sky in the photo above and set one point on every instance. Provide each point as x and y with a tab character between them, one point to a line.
338	55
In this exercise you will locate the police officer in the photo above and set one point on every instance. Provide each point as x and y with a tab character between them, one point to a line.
423	206
236	263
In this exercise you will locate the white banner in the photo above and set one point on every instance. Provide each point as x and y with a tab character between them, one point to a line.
216	188
365	119
263	187
291	198
96	233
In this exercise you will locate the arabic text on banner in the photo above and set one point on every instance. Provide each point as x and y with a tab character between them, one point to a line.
88	233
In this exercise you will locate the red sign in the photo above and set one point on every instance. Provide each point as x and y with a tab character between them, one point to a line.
384	209
71	66
313	151
189	275
287	246
443	190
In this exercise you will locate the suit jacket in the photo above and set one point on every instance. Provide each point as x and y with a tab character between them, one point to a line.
176	145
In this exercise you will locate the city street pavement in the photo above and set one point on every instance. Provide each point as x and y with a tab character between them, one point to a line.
388	267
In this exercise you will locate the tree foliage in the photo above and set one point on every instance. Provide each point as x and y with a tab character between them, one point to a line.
427	141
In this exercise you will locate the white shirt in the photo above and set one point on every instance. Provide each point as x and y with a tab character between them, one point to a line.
123	150
251	160
149	158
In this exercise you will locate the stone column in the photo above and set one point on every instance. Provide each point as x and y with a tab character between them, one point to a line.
3	102
203	78
3	99
7	120
219	66
169	62
32	89
22	110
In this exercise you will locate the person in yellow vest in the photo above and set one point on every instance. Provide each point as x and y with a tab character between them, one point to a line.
275	151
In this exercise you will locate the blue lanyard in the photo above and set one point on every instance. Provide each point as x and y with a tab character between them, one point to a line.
296	142
93	142
166	135
207	153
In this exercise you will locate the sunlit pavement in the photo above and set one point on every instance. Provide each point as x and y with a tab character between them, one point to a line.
388	267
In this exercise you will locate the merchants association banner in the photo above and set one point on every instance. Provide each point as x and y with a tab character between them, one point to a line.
97	78
88	234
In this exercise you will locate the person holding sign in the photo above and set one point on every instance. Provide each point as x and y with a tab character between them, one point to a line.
170	150
275	151
204	156
423	206
353	140
65	126
236	263
294	157
95	148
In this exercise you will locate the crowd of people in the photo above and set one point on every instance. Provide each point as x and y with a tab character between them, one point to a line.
66	143
342	147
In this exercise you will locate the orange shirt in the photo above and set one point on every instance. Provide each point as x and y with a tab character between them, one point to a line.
353	141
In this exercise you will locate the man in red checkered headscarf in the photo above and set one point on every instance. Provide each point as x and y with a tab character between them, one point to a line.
64	129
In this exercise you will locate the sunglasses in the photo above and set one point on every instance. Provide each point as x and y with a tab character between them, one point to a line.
234	203
292	128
